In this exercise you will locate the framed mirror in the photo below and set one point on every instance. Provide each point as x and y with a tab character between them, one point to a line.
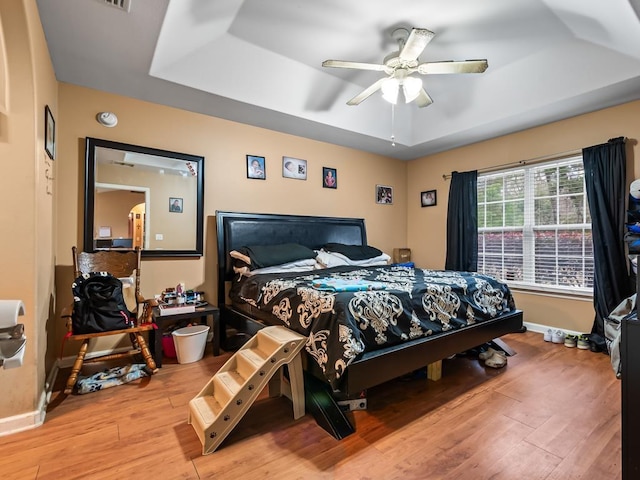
141	196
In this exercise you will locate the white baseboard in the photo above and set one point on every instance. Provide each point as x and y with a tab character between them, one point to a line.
536	327
66	362
19	423
29	420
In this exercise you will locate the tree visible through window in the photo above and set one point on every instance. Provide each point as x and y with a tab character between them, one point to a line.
534	227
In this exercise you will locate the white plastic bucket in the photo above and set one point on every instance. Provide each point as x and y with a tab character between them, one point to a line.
190	342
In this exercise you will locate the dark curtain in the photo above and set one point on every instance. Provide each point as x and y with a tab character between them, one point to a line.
462	223
605	177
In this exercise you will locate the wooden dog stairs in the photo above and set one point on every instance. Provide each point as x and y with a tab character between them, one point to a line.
220	405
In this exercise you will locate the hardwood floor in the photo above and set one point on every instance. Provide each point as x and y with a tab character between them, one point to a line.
551	413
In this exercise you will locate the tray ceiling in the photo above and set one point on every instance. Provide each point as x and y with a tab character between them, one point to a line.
259	62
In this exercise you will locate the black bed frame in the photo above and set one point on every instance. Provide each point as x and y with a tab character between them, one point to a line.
235	230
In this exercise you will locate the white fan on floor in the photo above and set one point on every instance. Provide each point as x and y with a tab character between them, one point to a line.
400	65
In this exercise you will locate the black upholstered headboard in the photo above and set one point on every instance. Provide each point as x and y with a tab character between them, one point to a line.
236	230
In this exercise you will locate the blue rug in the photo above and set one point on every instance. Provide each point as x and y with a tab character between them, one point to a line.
111	377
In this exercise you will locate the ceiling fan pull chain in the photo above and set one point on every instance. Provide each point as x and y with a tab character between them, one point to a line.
393	119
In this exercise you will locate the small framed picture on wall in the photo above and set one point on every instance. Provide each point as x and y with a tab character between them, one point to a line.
329	177
384	194
428	198
175	204
49	133
256	167
294	168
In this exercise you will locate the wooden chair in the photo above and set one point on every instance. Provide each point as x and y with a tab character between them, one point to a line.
121	265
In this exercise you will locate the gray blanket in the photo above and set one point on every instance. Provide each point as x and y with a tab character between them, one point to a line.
612	329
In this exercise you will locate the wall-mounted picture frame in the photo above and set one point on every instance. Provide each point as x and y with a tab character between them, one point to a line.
294	168
329	177
49	133
384	194
429	198
104	231
256	167
175	204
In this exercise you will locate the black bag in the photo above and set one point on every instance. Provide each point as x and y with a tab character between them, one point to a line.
98	304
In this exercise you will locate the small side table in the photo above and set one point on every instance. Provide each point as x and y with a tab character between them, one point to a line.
155	336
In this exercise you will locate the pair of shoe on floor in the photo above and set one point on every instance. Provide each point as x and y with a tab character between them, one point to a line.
569	340
580	341
554	336
493	358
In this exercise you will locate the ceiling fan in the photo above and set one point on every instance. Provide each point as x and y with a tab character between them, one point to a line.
401	64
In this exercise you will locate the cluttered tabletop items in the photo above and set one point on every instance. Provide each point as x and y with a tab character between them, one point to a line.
174	301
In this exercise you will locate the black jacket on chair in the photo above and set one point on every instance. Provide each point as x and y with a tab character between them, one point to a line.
98	304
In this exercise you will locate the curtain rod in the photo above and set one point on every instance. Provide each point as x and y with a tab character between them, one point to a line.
553	156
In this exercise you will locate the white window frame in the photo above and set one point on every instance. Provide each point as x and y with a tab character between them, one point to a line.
528	232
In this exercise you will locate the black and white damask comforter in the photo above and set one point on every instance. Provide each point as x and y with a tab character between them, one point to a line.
392	304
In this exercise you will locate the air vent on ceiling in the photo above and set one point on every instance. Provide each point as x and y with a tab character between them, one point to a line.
121	4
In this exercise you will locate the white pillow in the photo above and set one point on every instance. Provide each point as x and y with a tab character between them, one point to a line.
304	265
334	259
129	292
329	259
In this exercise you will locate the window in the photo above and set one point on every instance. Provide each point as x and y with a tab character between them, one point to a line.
534	227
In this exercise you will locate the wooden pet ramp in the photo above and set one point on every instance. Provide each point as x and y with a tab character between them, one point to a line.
220	405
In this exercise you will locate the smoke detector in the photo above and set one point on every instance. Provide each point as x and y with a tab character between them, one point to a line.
107	119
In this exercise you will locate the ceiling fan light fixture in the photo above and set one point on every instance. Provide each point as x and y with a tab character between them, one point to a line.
390	89
411	87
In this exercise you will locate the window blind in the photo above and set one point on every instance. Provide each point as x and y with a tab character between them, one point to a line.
534	227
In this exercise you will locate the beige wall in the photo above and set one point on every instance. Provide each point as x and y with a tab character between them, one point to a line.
224	145
426	231
26	246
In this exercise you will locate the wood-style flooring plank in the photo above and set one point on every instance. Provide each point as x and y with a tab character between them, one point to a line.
552	413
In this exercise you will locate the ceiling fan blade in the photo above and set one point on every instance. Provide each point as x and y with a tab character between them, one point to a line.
418	39
466	66
366	93
356	65
423	99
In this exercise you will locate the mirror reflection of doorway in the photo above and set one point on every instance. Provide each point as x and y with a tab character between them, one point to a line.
121	211
136	225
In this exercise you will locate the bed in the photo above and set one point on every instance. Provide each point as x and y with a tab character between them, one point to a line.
368	367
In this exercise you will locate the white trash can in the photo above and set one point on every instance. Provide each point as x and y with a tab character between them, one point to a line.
190	342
